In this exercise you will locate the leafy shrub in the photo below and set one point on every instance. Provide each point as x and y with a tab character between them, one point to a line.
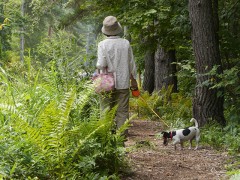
224	139
46	133
186	73
221	138
63	55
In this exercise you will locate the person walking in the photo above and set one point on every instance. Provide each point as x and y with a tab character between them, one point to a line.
115	55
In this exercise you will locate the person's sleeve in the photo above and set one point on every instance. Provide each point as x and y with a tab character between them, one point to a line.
133	69
101	58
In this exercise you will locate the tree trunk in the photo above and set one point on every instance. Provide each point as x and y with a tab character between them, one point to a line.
207	103
49	31
148	81
22	34
173	70
1	31
165	70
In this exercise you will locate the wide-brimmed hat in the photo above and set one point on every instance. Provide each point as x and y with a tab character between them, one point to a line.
111	26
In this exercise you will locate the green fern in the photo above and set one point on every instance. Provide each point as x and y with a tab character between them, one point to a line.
54	133
54	140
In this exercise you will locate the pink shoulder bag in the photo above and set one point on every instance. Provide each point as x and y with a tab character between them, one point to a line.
103	82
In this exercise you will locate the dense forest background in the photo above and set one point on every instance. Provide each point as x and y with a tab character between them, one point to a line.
187	54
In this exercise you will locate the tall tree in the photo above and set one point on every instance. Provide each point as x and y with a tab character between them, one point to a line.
208	102
165	69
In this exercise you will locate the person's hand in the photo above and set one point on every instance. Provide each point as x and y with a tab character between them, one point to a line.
134	88
134	84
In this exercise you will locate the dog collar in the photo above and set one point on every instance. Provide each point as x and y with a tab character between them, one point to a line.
171	135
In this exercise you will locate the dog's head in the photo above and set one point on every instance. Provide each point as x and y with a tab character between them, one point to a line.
165	137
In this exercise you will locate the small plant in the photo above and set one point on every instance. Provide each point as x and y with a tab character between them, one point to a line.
147	144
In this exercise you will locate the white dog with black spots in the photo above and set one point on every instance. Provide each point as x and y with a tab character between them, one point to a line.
181	135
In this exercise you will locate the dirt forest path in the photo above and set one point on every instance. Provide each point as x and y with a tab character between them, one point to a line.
150	160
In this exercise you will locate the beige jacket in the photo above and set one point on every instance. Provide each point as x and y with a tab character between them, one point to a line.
116	54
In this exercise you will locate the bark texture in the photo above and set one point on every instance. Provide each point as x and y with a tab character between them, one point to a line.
207	103
148	81
164	69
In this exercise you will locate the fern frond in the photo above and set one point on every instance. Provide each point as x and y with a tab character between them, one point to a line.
66	105
12	110
96	129
20	124
83	141
84	95
54	120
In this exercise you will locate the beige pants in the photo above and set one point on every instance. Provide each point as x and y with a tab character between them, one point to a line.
119	97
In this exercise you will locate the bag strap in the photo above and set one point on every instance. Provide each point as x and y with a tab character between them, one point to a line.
104	71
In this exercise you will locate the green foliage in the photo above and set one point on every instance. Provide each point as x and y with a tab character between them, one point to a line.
173	108
155	23
149	23
142	144
233	168
222	138
58	94
186	77
229	22
229	81
45	134
5	34
65	59
61	46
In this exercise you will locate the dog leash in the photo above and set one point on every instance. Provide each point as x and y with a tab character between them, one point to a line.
153	110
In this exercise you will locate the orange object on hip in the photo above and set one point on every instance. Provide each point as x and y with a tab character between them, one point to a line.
135	92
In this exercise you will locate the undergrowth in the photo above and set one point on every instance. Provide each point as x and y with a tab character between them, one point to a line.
49	131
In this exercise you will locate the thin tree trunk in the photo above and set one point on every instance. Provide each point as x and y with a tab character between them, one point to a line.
173	70
22	34
148	80
49	31
207	103
1	31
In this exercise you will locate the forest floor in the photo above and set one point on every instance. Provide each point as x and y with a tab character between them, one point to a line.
151	160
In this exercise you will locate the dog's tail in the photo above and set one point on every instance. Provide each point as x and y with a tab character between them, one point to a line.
195	121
